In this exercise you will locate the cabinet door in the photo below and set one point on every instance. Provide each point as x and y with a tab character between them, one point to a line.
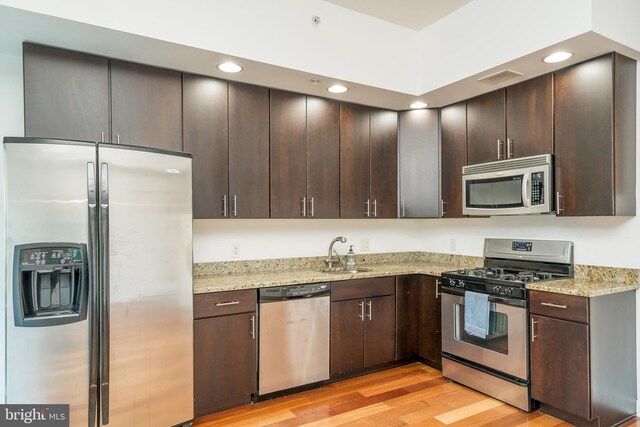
347	336
224	362
248	151
408	308
583	133
288	147
485	127
560	365
430	321
380	330
383	141
530	117
66	94
146	106
419	150
206	136
453	128
354	161
323	158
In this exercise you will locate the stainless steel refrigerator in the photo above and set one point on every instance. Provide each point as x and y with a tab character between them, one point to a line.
99	290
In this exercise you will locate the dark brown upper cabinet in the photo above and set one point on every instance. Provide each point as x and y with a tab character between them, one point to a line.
453	135
248	151
146	106
383	140
323	158
206	136
66	94
512	122
595	128
304	147
368	162
419	153
530	117
486	128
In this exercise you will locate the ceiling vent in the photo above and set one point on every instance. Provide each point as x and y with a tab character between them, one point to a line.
500	77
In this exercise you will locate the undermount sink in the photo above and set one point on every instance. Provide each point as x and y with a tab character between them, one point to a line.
344	270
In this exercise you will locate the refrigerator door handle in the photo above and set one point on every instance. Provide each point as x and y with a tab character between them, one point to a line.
105	292
94	331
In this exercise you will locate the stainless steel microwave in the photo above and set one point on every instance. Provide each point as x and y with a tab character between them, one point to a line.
509	187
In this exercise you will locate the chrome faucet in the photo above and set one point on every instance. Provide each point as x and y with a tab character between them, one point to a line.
330	258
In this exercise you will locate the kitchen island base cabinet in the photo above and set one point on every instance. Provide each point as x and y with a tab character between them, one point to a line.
363	331
583	356
225	350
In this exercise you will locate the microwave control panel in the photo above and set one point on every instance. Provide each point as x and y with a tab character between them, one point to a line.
537	188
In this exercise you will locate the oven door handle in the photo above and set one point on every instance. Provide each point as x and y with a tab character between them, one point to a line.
513	302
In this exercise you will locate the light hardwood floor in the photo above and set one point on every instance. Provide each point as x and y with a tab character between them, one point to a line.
415	395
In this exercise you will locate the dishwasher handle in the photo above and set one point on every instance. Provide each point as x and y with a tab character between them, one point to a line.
285	293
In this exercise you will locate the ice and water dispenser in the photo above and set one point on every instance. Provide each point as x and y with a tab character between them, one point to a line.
50	284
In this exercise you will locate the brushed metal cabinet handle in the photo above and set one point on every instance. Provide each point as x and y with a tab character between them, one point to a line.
224	206
235	205
402	209
361	315
253	327
369	310
533	330
442	205
375	208
510	147
558	208
118	139
438	283
102	136
311	207
303	207
222	304
367	210
550	304
500	156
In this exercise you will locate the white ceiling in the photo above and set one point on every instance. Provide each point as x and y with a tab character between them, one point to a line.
412	14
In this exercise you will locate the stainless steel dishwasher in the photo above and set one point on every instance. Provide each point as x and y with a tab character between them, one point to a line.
294	337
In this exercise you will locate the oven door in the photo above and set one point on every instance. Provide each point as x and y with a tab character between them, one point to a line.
505	348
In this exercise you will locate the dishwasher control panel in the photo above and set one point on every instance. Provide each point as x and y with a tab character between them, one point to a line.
295	291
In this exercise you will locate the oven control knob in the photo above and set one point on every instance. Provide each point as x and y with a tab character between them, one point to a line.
496	289
461	283
508	291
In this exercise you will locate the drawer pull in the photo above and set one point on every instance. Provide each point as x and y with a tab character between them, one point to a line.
222	304
550	304
533	330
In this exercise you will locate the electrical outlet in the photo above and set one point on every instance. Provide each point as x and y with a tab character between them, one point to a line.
452	245
365	245
235	250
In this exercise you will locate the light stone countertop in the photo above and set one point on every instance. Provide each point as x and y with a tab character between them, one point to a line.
589	281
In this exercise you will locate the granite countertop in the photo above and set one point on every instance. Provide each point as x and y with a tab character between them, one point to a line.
589	281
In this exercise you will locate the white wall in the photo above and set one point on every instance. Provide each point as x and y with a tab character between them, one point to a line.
11	124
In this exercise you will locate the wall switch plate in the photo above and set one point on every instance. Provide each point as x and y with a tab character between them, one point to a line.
235	250
365	245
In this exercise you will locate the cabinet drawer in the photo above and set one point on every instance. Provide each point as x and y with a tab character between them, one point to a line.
363	288
224	303
567	307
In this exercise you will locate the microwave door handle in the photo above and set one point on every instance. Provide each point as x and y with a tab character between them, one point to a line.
526	190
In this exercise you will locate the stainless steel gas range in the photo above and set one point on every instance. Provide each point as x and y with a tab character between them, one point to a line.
488	348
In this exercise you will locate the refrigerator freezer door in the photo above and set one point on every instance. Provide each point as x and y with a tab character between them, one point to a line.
46	201
150	314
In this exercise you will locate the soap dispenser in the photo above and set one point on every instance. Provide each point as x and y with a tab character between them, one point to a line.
350	258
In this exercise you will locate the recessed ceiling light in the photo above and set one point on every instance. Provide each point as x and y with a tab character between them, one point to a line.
337	89
419	104
230	67
557	57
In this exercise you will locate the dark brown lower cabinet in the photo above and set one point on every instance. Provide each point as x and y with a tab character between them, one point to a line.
583	364
225	352
418	319
363	327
